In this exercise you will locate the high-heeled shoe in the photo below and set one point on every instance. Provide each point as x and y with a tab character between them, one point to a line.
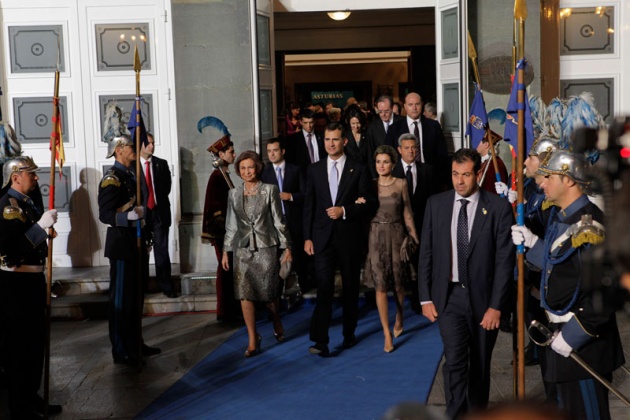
389	345
398	333
256	350
279	336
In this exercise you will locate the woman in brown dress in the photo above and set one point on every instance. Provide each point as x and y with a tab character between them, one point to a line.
390	228
255	231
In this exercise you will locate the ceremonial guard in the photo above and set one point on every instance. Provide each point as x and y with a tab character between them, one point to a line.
579	324
23	251
117	208
215	209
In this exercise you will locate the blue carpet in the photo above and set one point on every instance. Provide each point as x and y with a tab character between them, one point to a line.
286	382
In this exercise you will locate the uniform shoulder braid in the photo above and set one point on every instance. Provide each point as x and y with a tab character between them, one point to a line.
110	178
586	231
13	211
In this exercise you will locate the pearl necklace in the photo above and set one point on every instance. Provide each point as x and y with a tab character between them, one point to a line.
253	190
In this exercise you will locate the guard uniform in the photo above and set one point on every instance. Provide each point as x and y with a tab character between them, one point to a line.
116	198
213	229
589	329
23	251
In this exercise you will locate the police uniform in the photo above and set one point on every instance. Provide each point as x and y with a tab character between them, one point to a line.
591	332
116	198
23	251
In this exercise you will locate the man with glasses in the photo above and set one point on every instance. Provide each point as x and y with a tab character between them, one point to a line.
377	131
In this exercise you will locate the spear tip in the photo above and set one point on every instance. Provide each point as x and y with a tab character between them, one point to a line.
58	56
136	60
520	9
472	53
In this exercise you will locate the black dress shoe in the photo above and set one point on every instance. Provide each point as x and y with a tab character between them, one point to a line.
150	351
319	349
38	404
53	410
172	294
349	342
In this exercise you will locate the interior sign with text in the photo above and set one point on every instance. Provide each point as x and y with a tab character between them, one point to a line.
339	98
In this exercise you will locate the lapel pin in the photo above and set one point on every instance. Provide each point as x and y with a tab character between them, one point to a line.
484	211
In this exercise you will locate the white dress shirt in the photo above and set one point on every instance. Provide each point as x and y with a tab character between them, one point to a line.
473	200
411	125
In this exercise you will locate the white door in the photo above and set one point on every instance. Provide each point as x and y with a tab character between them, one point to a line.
450	24
97	42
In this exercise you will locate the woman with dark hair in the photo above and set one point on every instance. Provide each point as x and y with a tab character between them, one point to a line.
355	125
293	124
255	231
392	232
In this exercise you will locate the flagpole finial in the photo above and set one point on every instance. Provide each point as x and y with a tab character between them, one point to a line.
58	56
520	9
136	60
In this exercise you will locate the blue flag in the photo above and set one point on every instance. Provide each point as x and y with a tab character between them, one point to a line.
477	121
511	124
133	123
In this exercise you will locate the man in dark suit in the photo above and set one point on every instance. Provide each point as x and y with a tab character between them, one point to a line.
291	183
421	185
464	278
432	145
156	186
305	146
333	219
377	130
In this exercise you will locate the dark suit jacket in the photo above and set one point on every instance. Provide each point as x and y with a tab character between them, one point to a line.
490	259
354	183
356	151
162	188
424	189
433	143
297	151
293	182
376	135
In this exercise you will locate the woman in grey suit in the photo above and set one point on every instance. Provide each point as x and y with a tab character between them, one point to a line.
255	230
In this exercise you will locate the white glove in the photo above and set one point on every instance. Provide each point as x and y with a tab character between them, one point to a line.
501	188
48	219
137	213
560	346
522	235
512	196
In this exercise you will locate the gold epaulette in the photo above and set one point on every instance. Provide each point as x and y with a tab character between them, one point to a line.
110	179
13	211
587	231
546	204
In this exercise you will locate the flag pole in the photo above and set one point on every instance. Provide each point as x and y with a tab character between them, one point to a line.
472	54
137	67
520	14
54	138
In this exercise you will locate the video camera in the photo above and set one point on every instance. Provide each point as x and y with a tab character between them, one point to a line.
606	265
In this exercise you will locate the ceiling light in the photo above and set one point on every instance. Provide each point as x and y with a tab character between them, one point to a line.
339	15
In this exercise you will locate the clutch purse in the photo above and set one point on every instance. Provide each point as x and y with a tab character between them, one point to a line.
407	248
285	270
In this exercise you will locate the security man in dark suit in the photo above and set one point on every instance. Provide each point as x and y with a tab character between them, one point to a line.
306	146
291	184
421	186
333	219
156	186
23	252
432	147
464	278
377	130
117	208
